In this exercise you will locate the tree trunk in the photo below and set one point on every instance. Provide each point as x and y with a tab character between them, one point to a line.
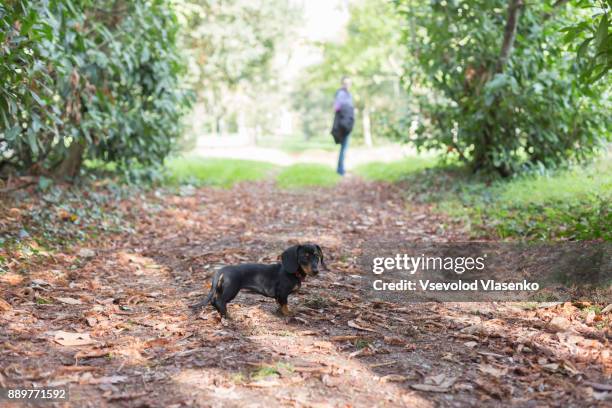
481	156
514	9
70	166
367	132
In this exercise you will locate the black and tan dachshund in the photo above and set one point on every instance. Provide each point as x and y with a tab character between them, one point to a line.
277	281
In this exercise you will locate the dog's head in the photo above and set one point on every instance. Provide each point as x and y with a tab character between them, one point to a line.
303	259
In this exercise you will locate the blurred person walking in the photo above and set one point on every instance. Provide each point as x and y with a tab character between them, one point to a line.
344	118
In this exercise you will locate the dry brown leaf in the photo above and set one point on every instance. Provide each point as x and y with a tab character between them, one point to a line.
552	367
330	381
493	387
354	325
559	323
265	383
393	378
4	305
345	338
113	379
494	371
394	340
73	339
429	388
91	354
599	386
69	301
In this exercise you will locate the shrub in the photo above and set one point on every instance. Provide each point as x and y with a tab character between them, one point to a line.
506	91
84	79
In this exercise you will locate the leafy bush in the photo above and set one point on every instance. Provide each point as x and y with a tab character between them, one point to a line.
84	79
506	90
592	36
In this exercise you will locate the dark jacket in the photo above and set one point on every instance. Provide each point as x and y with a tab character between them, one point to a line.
344	118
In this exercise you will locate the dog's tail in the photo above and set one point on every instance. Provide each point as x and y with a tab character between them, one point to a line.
213	288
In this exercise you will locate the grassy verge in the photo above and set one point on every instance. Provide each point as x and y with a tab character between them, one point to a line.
394	171
226	172
215	172
307	175
570	204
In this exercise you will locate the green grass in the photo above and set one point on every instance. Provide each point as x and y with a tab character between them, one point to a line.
307	175
394	171
570	204
215	172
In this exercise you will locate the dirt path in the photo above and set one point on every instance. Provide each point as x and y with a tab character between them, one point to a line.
357	155
340	349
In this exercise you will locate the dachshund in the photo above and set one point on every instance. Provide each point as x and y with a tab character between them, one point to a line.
277	281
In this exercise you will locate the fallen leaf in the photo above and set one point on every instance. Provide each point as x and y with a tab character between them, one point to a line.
345	338
491	370
86	253
590	317
393	378
559	323
266	383
73	339
607	309
330	381
69	301
4	305
354	325
470	344
493	387
91	354
599	386
429	388
113	379
394	341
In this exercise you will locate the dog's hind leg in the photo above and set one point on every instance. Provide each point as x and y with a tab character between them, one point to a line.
212	294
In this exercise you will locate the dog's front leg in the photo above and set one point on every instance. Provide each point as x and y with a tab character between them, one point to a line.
284	309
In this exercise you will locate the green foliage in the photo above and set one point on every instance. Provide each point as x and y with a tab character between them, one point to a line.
82	79
530	110
370	53
231	46
307	175
215	172
592	37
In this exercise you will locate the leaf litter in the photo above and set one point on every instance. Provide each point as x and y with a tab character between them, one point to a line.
105	308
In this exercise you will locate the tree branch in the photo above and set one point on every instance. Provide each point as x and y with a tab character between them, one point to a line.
514	9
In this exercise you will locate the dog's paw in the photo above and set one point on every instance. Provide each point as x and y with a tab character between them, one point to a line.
284	310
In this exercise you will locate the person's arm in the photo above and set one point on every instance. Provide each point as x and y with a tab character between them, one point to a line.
337	101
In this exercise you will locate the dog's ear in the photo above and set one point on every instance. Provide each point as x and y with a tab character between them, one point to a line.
289	259
320	252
